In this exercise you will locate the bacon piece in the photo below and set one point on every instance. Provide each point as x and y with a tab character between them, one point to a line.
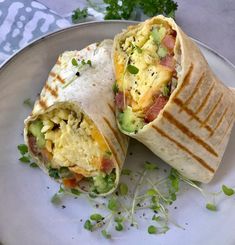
155	109
33	145
169	62
169	42
106	165
119	100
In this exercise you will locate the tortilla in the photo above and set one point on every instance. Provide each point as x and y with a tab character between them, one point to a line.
72	132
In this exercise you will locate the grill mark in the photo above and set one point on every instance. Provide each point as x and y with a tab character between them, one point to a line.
195	90
53	74
113	151
226	130
186	80
219	122
112	109
60	79
211	112
115	133
205	100
52	91
42	103
189	112
198	159
190	134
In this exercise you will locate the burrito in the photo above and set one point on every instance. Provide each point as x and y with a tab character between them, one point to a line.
168	98
72	132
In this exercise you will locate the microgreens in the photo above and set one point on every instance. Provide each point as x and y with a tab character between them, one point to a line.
227	190
152	229
211	207
123	189
96	217
79	14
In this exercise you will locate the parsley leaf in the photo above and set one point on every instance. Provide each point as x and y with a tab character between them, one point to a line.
24	159
115	88
79	14
23	149
124	9
112	204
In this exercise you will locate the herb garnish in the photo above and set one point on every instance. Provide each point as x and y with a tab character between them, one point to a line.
132	69
25	157
115	88
79	14
211	207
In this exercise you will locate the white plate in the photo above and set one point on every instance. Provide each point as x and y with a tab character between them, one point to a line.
26	214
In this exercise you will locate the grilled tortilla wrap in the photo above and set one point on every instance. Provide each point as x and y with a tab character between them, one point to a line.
72	132
168	98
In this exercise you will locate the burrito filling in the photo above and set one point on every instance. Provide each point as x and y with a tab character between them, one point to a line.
146	75
73	150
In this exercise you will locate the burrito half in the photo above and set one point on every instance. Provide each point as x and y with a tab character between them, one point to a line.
168	98
72	132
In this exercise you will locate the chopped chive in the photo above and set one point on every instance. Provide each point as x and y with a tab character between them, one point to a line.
75	192
166	91
211	207
96	217
24	159
106	234
108	153
126	171
23	149
88	225
56	199
227	190
132	69
74	62
152	229
123	189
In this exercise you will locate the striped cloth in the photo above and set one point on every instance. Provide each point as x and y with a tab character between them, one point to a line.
22	21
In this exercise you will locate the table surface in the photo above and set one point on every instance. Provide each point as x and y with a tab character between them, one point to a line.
209	21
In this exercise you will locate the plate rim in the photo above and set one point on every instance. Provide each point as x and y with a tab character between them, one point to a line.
75	26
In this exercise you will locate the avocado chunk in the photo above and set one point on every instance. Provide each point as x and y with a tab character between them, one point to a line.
104	183
35	129
158	34
128	121
162	52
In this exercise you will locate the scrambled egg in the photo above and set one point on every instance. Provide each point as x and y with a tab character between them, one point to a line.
73	140
142	52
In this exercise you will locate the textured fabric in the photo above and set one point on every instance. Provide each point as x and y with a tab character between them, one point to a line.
22	21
